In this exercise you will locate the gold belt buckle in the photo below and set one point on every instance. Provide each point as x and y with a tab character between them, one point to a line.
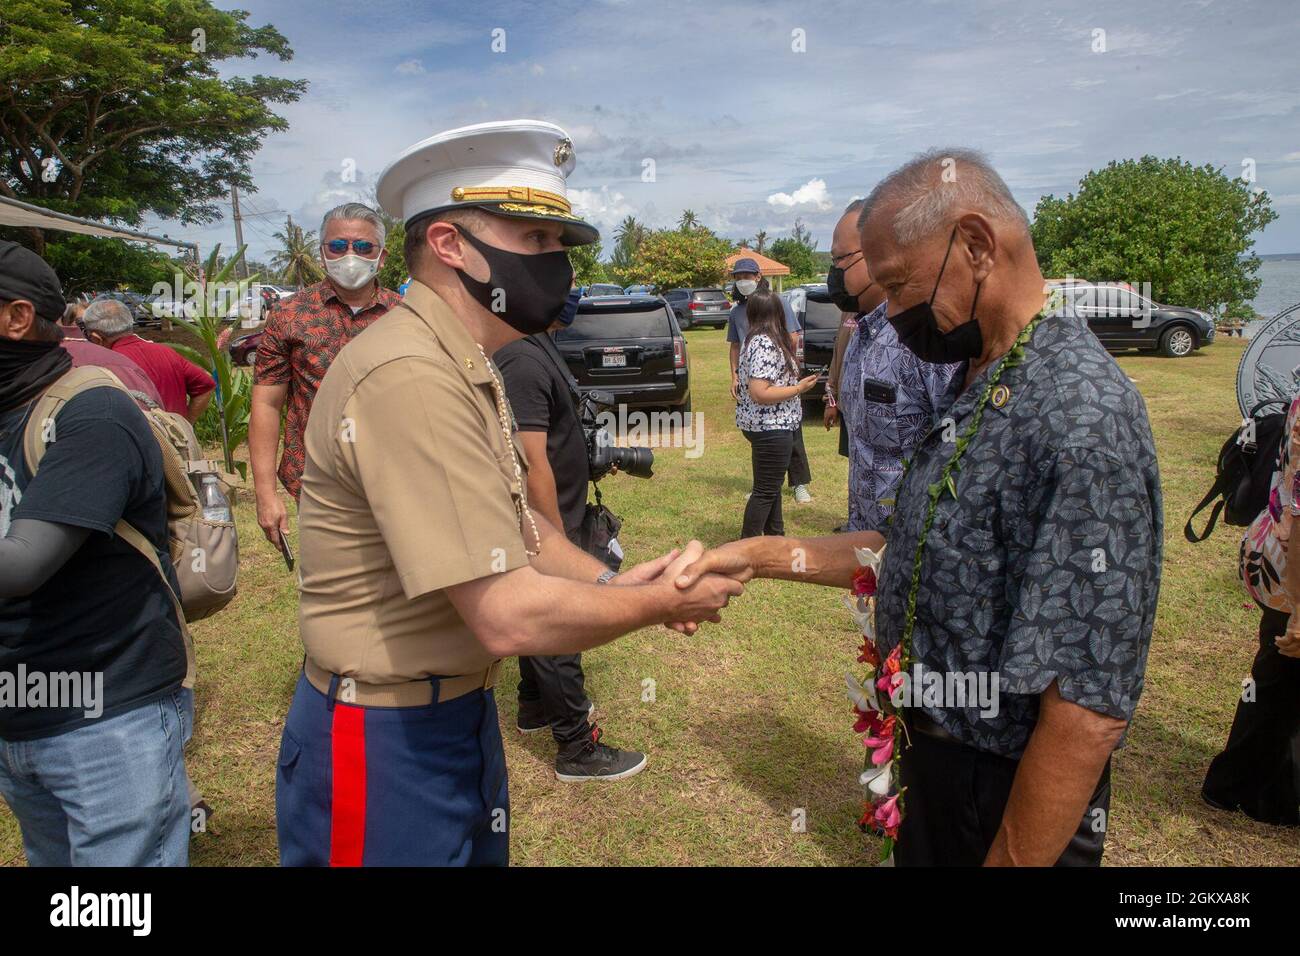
490	676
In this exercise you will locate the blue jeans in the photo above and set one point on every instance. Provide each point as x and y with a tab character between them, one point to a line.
109	793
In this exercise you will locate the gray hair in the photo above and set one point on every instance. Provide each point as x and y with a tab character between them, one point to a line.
109	317
355	211
929	189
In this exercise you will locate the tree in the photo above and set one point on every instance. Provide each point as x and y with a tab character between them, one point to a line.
114	109
394	271
627	239
688	220
297	259
587	267
759	242
802	260
96	264
672	259
1187	230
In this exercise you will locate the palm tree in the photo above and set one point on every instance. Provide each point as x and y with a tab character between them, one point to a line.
688	221
297	258
630	233
627	239
759	242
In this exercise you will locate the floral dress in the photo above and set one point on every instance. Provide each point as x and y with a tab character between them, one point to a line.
1264	547
762	358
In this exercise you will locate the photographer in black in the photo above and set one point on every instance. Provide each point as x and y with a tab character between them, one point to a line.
546	401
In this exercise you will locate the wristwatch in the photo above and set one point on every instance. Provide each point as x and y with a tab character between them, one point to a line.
606	577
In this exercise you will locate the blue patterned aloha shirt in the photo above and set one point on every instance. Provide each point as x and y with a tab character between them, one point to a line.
882	435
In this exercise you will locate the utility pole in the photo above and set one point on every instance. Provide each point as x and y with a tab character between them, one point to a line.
239	226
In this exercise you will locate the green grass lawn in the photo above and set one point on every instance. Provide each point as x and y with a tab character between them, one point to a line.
749	723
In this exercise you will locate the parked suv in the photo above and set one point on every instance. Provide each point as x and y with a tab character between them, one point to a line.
630	345
1123	319
699	307
820	319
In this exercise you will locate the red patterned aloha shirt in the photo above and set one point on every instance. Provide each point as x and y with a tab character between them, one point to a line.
299	341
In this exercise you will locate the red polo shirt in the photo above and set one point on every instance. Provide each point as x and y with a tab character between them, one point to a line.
177	379
127	372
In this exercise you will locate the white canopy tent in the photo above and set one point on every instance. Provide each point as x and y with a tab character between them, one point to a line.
16	213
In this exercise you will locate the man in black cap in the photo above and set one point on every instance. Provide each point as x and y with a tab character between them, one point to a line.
92	656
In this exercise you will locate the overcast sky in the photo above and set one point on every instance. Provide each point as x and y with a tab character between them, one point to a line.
750	132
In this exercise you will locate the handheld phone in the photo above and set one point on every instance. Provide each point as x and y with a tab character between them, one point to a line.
285	549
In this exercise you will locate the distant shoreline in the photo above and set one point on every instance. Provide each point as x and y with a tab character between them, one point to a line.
1281	257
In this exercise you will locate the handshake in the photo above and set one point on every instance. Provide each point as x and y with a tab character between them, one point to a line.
696	583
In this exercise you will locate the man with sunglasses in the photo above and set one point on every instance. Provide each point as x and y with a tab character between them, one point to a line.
301	338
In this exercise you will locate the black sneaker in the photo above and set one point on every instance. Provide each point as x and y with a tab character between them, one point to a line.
589	759
532	717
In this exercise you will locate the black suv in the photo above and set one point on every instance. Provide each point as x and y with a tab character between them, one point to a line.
820	319
699	307
1123	319
630	345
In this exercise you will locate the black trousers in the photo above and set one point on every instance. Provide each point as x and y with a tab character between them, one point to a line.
1257	770
558	682
800	473
770	456
955	800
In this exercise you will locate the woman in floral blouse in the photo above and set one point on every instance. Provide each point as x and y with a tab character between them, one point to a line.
768	411
1257	772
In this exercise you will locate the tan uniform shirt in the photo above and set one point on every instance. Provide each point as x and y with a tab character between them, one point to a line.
409	488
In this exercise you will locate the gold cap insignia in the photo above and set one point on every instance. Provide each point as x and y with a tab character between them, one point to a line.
563	151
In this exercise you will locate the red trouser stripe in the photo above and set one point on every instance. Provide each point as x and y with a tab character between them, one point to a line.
348	808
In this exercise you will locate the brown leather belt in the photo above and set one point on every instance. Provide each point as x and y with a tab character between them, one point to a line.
411	693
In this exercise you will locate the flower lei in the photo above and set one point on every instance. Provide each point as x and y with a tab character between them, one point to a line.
877	715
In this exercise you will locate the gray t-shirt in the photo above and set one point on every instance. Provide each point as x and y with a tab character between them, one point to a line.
738	322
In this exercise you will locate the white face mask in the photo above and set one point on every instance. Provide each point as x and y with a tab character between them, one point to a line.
352	271
746	287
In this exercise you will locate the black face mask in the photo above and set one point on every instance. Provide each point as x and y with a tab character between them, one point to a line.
28	368
918	331
844	300
528	292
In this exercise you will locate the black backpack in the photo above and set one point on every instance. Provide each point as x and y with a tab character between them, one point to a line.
1247	462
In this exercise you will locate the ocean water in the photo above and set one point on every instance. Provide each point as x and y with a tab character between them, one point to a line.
1279	288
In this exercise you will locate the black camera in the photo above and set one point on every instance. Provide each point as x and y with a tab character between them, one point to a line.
603	456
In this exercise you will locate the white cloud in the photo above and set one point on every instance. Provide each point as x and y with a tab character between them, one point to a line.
812	193
604	208
409	68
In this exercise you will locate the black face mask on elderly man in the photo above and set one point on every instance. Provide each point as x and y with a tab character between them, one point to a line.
918	331
528	292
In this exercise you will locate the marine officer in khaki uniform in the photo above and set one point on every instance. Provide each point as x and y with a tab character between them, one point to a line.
422	564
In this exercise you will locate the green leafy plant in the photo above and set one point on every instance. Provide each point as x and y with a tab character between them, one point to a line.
1187	230
206	307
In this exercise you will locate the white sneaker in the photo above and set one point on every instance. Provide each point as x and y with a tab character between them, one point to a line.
801	494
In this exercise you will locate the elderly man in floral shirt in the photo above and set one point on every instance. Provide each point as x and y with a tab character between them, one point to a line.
1024	553
299	342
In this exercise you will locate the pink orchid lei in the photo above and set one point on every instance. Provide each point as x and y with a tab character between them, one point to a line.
874	712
